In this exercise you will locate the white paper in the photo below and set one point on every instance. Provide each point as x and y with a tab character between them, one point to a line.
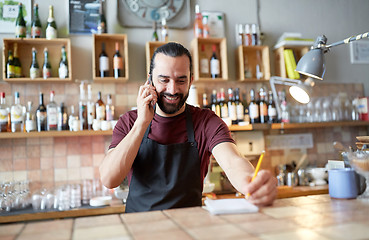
230	206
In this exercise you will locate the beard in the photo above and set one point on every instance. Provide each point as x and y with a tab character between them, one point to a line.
170	108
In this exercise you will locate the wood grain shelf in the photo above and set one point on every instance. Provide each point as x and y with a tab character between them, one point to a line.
10	135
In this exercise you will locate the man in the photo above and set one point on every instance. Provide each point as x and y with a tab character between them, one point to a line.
164	146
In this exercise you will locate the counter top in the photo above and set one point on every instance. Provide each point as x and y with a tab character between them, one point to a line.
307	217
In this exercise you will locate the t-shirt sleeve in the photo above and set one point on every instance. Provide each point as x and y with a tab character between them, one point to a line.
122	128
217	131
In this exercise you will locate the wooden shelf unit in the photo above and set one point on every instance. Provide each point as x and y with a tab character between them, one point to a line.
10	135
109	40
150	48
280	65
221	46
251	56
25	46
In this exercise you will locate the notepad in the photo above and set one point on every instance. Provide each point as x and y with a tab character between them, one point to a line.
230	206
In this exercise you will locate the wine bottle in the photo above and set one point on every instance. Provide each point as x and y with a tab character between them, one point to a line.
104	62
101	23
82	107
16	112
99	108
52	113
36	23
214	64
214	103
118	62
41	115
51	29
62	118
263	108
63	65
247	37
34	71
272	111
253	108
204	63
30	121
154	36
90	107
232	106
206	29
223	105
10	73
164	30
198	27
20	24
109	109
205	102
16	62
240	108
46	68
254	35
4	114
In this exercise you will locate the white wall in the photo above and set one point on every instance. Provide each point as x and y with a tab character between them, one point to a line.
337	19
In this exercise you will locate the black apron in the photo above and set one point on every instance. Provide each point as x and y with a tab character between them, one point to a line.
166	176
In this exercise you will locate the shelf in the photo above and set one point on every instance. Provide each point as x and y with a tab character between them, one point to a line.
10	135
109	40
249	57
25	46
280	65
149	51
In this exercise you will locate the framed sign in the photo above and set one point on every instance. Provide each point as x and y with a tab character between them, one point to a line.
9	14
359	52
83	16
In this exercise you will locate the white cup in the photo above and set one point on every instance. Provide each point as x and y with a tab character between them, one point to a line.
105	125
96	125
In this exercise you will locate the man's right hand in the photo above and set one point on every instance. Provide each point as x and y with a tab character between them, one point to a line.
146	100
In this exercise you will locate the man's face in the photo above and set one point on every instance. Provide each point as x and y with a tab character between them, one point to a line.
172	80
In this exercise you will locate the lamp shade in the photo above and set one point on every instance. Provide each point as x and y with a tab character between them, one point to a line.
312	64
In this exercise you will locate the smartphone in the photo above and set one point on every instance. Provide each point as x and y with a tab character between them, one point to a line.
150	80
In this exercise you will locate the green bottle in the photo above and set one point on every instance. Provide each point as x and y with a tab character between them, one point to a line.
36	23
51	29
20	24
101	23
46	68
34	71
63	65
17	63
10	65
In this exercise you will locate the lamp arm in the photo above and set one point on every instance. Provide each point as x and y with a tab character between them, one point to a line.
275	96
349	39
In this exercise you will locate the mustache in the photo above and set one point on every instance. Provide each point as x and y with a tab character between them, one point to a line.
171	95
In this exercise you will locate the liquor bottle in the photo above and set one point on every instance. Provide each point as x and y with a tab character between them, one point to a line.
101	22
254	35
36	23
263	107
154	36
20	24
214	64
198	27
46	68
205	26
240	109
30	122
90	108
4	114
99	108
204	63
232	106
109	109
34	71
240	35
63	65
82	107
62	117
246	108
103	62
253	108
285	114
205	102
16	62
164	30
51	29
10	73
52	113
272	111
247	37
41	115
16	114
72	118
214	103
223	105
118	62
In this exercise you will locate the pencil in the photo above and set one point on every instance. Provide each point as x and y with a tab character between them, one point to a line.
257	169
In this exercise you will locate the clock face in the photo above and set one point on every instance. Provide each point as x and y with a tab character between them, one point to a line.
154	10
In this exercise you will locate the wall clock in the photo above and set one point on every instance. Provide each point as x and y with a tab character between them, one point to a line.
142	13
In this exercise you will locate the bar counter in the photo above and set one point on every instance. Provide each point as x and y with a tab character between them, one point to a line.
307	217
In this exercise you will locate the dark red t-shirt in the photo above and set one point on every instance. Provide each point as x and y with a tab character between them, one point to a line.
209	129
